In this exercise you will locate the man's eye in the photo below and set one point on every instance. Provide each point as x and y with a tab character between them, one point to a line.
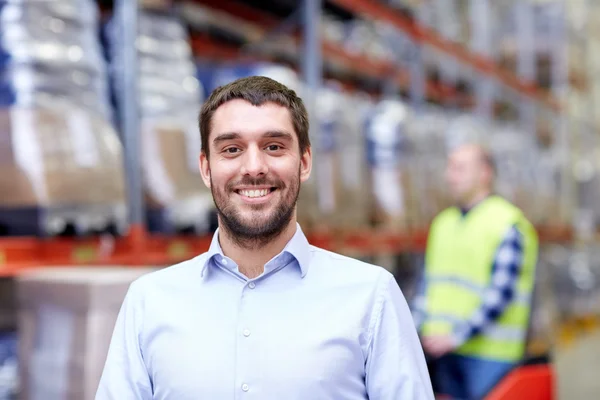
232	150
274	147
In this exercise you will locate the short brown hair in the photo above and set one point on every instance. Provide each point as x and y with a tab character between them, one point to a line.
256	90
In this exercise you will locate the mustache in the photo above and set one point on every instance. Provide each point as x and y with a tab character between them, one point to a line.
251	181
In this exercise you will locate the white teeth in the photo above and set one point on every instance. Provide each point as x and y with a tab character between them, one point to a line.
255	193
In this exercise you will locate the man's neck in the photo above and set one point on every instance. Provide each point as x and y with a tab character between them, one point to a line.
476	199
251	260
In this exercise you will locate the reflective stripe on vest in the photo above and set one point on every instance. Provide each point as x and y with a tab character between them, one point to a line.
493	331
518	297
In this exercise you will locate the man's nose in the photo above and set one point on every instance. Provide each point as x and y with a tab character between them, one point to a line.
255	162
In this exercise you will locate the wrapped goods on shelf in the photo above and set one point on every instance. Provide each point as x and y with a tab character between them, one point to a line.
513	151
326	155
366	37
554	194
339	158
170	97
587	179
353	209
175	194
333	30
59	166
386	154
62	162
547	209
66	317
226	73
49	50
427	164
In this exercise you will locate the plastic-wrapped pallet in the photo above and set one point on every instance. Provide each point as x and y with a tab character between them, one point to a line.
587	179
353	209
428	163
66	320
170	99
339	159
387	157
513	151
326	161
56	137
50	52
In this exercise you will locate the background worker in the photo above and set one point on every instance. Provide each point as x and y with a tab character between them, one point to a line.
474	304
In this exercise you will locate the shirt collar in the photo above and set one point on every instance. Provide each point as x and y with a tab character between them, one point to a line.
298	247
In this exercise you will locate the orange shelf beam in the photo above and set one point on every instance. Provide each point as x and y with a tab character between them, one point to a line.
421	34
140	248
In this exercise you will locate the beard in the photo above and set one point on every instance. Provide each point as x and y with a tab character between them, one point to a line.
261	225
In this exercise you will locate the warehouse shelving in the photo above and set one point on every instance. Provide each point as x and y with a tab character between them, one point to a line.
425	36
141	248
332	53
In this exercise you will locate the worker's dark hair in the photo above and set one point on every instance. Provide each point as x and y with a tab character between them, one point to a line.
256	90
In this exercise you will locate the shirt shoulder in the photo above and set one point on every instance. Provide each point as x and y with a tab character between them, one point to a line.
346	268
174	275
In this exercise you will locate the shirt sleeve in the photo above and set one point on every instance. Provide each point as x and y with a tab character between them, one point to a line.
395	366
125	376
419	310
501	290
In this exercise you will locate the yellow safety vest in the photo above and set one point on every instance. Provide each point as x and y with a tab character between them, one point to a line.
459	258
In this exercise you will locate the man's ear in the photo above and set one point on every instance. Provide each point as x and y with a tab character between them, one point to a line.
204	167
306	164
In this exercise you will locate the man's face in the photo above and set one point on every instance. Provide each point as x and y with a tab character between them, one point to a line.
465	173
254	169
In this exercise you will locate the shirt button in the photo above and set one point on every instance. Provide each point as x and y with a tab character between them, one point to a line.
251	285
224	261
245	387
246	332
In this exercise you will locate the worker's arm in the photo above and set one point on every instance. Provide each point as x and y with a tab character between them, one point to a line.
125	376
500	291
395	363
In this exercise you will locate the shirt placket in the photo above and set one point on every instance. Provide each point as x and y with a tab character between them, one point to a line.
246	378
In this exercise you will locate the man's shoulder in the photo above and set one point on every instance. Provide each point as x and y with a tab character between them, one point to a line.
348	267
174	274
447	215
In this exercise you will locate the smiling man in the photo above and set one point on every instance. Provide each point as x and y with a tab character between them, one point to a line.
263	314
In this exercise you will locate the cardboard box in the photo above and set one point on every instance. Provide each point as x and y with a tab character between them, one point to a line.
66	319
171	174
57	157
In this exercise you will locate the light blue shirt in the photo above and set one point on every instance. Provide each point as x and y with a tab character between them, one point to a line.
314	326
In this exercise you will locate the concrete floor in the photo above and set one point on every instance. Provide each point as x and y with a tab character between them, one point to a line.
578	369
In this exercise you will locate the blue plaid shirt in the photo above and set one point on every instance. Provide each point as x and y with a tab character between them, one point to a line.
498	294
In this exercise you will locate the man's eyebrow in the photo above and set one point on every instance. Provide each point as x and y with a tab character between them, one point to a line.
279	134
226	136
223	137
